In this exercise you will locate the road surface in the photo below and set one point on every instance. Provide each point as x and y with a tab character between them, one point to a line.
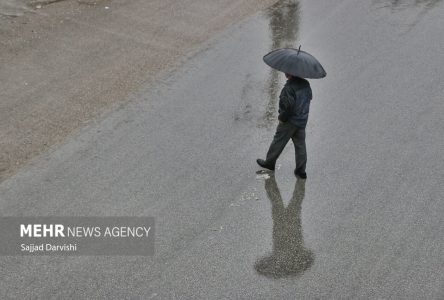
366	224
64	62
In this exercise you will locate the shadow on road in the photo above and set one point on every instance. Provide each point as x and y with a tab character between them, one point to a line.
289	256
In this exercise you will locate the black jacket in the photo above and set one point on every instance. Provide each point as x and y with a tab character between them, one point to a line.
294	102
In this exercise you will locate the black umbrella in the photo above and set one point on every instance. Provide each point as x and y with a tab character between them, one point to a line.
295	62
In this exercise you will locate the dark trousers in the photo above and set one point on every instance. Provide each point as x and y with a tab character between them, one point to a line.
285	132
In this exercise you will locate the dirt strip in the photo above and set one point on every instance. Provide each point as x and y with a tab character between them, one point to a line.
64	62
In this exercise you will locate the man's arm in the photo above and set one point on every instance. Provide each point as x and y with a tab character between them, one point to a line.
284	106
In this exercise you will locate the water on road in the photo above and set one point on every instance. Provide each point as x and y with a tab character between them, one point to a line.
366	224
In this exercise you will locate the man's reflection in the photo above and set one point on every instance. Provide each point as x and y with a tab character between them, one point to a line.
289	256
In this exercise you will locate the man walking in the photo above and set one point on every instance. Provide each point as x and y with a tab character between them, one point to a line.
294	105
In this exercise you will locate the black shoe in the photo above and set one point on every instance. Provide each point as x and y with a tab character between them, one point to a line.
300	174
263	164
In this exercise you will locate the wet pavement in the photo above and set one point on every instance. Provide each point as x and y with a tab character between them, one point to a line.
366	224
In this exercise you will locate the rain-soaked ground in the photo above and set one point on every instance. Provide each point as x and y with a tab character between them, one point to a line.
17	8
13	8
366	224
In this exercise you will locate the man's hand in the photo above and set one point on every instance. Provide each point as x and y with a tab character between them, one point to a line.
282	119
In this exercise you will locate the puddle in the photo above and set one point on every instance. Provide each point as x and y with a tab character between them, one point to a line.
407	12
397	5
13	8
284	19
17	8
263	176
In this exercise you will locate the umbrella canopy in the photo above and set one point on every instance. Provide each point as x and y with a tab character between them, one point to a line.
295	62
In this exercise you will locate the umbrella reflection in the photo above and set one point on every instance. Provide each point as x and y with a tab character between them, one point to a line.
289	256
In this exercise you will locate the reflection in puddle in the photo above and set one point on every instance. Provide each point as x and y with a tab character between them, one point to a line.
289	256
284	25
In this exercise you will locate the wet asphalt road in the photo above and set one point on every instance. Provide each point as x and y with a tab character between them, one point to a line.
366	224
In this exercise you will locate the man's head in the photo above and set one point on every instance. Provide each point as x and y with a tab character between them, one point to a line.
288	76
